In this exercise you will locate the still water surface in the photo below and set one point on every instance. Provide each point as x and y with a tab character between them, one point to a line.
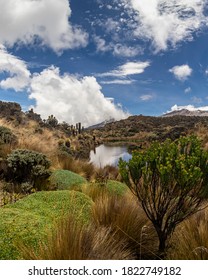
108	155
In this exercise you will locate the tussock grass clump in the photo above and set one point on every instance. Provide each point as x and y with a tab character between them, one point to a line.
118	230
87	169
97	190
190	240
108	172
126	219
81	167
73	241
93	190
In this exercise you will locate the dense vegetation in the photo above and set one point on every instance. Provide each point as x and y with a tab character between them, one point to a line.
55	205
32	218
145	129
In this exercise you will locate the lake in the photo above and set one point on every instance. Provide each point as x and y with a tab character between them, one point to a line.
108	155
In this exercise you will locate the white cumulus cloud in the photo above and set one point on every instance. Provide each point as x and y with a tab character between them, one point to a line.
43	21
67	97
71	99
126	51
16	69
167	22
181	72
101	44
116	49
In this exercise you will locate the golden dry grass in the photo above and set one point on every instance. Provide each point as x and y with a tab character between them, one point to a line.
202	133
118	230
72	241
127	220
80	167
94	190
31	137
190	239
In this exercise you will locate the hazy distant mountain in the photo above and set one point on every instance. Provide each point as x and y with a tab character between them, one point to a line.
185	112
102	124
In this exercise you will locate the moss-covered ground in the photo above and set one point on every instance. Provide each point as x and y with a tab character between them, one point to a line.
31	219
116	187
65	179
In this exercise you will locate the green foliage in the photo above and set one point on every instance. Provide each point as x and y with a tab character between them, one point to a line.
65	179
6	136
116	187
183	161
169	180
30	220
28	166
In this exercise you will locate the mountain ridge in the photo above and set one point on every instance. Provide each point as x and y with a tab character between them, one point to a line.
186	112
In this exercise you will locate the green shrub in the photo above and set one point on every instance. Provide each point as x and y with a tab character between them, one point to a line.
6	136
116	187
28	166
65	179
33	218
170	181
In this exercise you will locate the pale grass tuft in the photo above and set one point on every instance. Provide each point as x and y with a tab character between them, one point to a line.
128	221
94	190
73	241
190	240
81	167
30	136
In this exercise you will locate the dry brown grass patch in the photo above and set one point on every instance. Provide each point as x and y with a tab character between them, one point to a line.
80	167
127	220
72	241
190	240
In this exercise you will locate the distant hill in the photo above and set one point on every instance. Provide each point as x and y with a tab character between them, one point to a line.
147	129
185	112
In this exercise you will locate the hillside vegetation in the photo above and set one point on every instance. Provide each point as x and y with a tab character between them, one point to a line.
142	130
54	204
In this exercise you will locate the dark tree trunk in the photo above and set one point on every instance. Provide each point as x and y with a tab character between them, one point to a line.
162	244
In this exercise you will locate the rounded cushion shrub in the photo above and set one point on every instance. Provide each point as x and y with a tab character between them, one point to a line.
6	136
27	166
66	180
116	187
31	219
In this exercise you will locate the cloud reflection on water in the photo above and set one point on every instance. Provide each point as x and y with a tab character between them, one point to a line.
108	155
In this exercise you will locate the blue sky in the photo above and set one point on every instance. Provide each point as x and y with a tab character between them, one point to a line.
92	60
